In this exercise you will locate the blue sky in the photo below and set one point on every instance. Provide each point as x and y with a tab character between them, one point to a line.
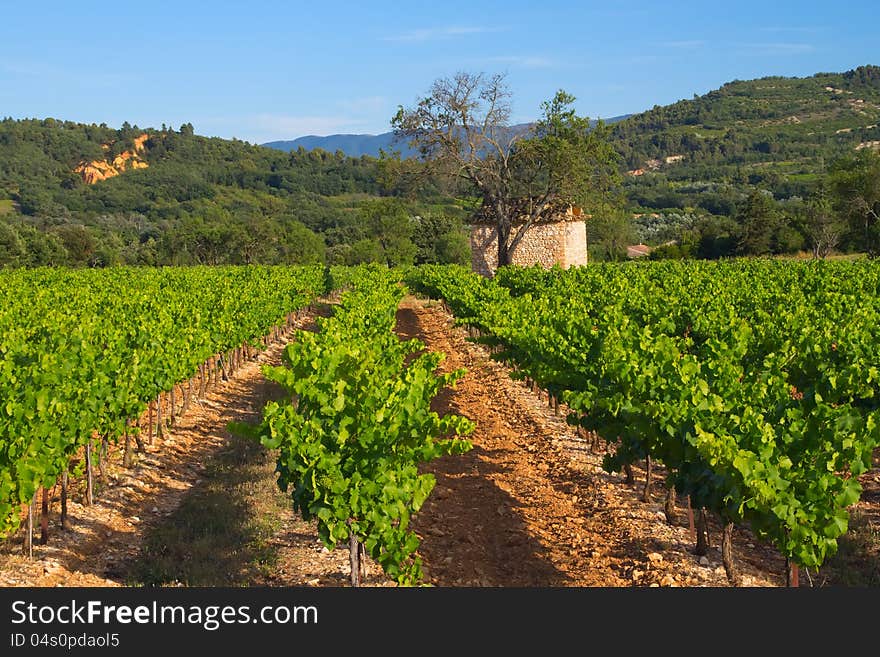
278	70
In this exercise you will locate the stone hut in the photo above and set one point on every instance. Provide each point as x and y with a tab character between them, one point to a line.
561	240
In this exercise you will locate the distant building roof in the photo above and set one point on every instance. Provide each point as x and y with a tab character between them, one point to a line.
638	251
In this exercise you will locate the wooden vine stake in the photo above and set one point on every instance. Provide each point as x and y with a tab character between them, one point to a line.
102	453
171	412
691	519
64	483
160	430
44	518
150	423
792	573
29	529
362	561
354	553
89	478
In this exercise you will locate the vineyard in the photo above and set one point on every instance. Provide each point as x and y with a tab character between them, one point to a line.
86	353
754	383
745	390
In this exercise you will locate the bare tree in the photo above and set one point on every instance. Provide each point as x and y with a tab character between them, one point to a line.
520	176
855	181
823	227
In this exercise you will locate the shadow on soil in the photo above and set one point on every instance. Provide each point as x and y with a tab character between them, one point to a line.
472	531
219	534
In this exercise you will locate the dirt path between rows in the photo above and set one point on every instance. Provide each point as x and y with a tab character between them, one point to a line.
530	505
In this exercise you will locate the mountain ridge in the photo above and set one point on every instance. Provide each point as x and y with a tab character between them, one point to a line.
357	145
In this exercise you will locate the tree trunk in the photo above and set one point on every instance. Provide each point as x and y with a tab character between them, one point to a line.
64	483
669	505
171	411
646	492
691	519
733	575
702	547
138	441
187	397
126	454
503	237
628	469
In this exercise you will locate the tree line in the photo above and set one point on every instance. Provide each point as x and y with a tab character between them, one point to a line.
207	201
753	182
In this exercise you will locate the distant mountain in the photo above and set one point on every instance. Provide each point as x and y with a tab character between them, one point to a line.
351	145
357	145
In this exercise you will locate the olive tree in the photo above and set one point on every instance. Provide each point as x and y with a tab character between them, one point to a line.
520	175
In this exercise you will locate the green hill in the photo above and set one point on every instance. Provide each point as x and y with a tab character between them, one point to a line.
775	132
87	194
90	195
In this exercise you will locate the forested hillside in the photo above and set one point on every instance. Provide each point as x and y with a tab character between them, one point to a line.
705	155
769	166
185	199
